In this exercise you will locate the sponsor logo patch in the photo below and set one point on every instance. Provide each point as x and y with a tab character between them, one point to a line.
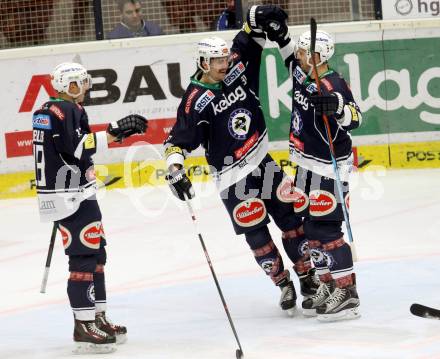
66	236
250	212
247	146
234	74
189	100
300	200
57	112
322	203
91	235
89	143
285	190
299	75
228	100
204	100
239	123
42	122
297	142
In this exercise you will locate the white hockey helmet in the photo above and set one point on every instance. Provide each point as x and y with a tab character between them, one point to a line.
324	45
209	48
66	73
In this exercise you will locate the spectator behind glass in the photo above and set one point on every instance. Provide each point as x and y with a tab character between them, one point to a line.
226	20
132	24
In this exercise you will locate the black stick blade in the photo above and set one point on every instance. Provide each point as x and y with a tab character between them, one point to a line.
313	28
424	311
238	354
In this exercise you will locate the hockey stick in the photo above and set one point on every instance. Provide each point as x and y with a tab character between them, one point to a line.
238	352
49	258
424	312
313	28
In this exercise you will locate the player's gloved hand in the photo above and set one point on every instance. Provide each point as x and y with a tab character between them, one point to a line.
127	126
258	15
327	104
277	31
180	184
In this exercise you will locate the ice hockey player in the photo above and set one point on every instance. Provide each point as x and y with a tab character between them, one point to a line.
221	111
66	186
315	183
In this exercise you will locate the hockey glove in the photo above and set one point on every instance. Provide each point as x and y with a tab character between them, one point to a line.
127	126
332	104
180	184
258	16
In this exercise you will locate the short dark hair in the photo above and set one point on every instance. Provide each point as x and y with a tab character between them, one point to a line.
121	3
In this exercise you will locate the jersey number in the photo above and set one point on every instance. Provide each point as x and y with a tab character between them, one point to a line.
39	165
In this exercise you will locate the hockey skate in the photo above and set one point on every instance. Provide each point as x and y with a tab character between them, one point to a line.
118	331
309	283
91	340
343	304
310	304
288	296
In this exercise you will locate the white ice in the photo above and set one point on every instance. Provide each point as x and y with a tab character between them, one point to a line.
160	287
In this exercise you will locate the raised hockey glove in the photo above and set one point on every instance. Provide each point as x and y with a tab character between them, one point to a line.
127	126
328	105
259	15
180	184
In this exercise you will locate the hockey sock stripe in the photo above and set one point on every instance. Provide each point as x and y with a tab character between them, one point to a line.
293	233
280	277
344	281
262	251
314	244
333	245
99	268
326	277
302	266
81	277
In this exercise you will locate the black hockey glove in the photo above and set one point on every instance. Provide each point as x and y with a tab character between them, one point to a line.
127	126
180	184
258	16
327	104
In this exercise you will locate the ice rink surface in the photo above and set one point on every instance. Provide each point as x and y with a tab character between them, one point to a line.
160	287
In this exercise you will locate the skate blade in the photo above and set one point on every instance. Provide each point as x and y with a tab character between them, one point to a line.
291	312
309	312
121	339
90	348
347	314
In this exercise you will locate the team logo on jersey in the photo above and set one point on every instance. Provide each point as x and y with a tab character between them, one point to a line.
91	293
322	203
300	200
250	212
228	100
66	236
91	235
297	122
204	100
234	74
239	123
285	190
41	121
303	248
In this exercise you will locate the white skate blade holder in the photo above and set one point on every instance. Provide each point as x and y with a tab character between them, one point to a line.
347	314
90	348
121	339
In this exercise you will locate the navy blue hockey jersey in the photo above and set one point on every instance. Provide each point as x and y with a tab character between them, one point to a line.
225	118
308	143
63	145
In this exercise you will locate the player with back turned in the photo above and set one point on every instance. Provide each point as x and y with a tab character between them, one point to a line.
315	180
66	186
221	111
